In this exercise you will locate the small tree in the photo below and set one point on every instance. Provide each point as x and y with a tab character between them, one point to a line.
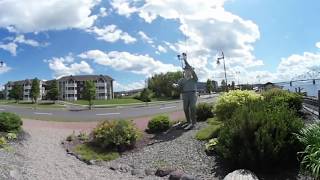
16	92
53	91
89	92
35	90
145	95
209	86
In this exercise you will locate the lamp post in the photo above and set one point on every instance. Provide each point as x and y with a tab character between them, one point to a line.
224	67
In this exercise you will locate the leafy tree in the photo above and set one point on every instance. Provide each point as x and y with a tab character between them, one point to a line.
53	91
89	92
161	84
145	95
209	86
223	84
35	90
16	92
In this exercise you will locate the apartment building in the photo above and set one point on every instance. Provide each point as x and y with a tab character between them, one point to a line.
71	87
26	84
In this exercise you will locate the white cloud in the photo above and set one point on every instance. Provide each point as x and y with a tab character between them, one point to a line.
162	49
37	15
4	68
103	12
111	33
208	28
304	66
125	87
63	66
11	47
22	40
125	61
145	37
318	45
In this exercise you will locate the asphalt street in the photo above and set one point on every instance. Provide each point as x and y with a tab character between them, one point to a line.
121	112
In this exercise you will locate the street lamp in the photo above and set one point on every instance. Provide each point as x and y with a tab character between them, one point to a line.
224	67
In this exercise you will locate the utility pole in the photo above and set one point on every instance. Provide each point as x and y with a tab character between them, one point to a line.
224	67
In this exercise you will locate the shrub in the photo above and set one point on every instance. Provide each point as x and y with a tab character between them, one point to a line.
204	111
116	133
11	136
10	122
309	136
210	146
259	137
159	123
3	142
229	102
83	136
278	97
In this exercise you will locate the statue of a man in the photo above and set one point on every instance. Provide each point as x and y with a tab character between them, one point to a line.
188	86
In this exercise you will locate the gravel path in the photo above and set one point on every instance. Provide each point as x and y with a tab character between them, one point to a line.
183	152
42	157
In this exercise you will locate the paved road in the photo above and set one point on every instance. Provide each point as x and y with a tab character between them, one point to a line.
98	113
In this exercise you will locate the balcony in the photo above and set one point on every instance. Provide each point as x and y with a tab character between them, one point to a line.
100	84
101	91
71	85
70	92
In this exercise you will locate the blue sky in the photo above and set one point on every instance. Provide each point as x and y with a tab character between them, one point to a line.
131	39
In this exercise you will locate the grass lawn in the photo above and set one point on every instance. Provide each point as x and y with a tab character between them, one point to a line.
110	101
93	153
30	104
210	131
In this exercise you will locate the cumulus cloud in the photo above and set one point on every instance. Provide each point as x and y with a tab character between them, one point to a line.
111	33
19	39
125	87
125	61
4	68
207	31
303	66
63	66
10	47
318	45
145	37
36	15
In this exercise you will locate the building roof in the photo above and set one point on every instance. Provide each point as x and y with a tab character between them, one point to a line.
21	82
85	78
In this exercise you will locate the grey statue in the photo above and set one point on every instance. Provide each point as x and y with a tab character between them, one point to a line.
188	86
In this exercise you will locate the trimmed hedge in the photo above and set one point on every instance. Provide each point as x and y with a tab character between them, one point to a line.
10	122
159	124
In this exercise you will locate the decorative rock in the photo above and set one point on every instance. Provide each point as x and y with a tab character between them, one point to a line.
175	175
187	177
242	174
124	168
149	172
161	172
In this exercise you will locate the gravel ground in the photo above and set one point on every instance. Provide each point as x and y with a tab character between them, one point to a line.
42	157
183	152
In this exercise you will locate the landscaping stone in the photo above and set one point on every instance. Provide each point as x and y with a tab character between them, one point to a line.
242	174
176	175
149	171
187	177
164	171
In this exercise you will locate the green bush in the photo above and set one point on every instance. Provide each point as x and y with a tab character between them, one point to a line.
11	136
10	122
210	146
3	142
204	111
159	123
278	97
83	136
309	136
229	102
116	133
259	137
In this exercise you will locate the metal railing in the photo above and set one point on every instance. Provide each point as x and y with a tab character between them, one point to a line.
313	103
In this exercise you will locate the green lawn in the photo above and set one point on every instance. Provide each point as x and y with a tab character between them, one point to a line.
30	104
210	131
94	153
110	101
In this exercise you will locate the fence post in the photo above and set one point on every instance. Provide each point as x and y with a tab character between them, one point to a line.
318	104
